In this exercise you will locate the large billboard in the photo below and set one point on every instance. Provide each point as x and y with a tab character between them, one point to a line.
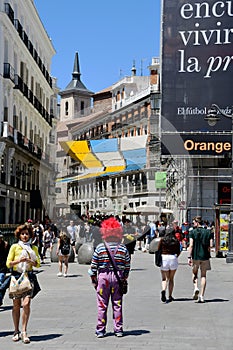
197	70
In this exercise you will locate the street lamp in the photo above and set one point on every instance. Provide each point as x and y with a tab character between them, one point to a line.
212	118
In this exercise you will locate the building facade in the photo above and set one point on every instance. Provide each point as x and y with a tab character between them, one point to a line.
121	112
28	96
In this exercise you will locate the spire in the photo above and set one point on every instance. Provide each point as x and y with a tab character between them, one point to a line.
76	83
76	70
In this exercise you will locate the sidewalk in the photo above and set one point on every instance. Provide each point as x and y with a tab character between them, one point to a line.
64	313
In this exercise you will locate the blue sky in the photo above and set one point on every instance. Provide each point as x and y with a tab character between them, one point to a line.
107	35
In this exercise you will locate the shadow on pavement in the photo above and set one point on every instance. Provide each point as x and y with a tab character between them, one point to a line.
5	308
216	300
133	332
44	337
71	276
5	334
183	299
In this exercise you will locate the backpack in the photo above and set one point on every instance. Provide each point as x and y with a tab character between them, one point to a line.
65	248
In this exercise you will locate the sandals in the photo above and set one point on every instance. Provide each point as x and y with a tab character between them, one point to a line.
25	338
16	336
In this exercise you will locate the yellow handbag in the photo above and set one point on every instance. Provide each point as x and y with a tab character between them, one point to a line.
19	286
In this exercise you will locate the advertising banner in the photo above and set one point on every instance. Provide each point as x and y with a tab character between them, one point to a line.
197	68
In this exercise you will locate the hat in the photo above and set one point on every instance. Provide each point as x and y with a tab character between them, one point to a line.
111	228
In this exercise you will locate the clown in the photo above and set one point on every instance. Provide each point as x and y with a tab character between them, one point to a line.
104	279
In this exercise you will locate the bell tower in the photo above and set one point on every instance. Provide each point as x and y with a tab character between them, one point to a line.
75	98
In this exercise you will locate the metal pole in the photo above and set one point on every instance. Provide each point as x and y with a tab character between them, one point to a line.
229	258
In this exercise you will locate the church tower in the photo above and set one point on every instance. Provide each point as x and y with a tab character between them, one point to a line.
75	98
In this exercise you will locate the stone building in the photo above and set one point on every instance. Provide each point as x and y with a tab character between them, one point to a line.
28	103
123	112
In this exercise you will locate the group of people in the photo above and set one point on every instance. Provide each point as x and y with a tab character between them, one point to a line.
200	245
110	265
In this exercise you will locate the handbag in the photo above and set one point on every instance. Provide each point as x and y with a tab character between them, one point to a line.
19	286
158	257
123	283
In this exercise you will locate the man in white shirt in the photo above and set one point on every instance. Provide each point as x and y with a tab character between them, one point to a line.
72	233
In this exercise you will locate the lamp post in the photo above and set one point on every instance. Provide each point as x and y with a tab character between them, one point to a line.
212	118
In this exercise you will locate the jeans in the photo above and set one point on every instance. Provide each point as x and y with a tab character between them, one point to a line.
2	276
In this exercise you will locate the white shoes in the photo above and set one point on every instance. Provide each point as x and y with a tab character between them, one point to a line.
201	299
60	274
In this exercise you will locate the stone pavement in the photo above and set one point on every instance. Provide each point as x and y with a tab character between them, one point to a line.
64	313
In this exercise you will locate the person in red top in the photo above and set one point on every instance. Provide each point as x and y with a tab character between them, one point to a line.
178	233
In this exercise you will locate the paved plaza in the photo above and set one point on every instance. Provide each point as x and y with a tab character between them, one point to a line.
64	313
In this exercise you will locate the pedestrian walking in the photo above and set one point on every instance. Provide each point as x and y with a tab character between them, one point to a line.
129	236
96	235
170	249
63	252
104	278
23	257
72	230
38	239
47	241
200	244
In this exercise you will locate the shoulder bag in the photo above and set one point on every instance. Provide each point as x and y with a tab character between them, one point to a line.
158	257
19	286
122	282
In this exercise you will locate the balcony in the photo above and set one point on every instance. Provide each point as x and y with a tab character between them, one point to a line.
18	27
25	38
9	72
9	11
18	83
18	138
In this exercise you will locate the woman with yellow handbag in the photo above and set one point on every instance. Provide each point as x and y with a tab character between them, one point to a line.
22	258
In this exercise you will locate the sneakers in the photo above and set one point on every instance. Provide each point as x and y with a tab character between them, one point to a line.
100	334
170	299
201	299
59	274
119	334
163	296
65	275
195	294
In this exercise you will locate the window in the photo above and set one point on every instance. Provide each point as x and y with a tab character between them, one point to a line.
5	114
15	119
82	107
66	108
26	127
